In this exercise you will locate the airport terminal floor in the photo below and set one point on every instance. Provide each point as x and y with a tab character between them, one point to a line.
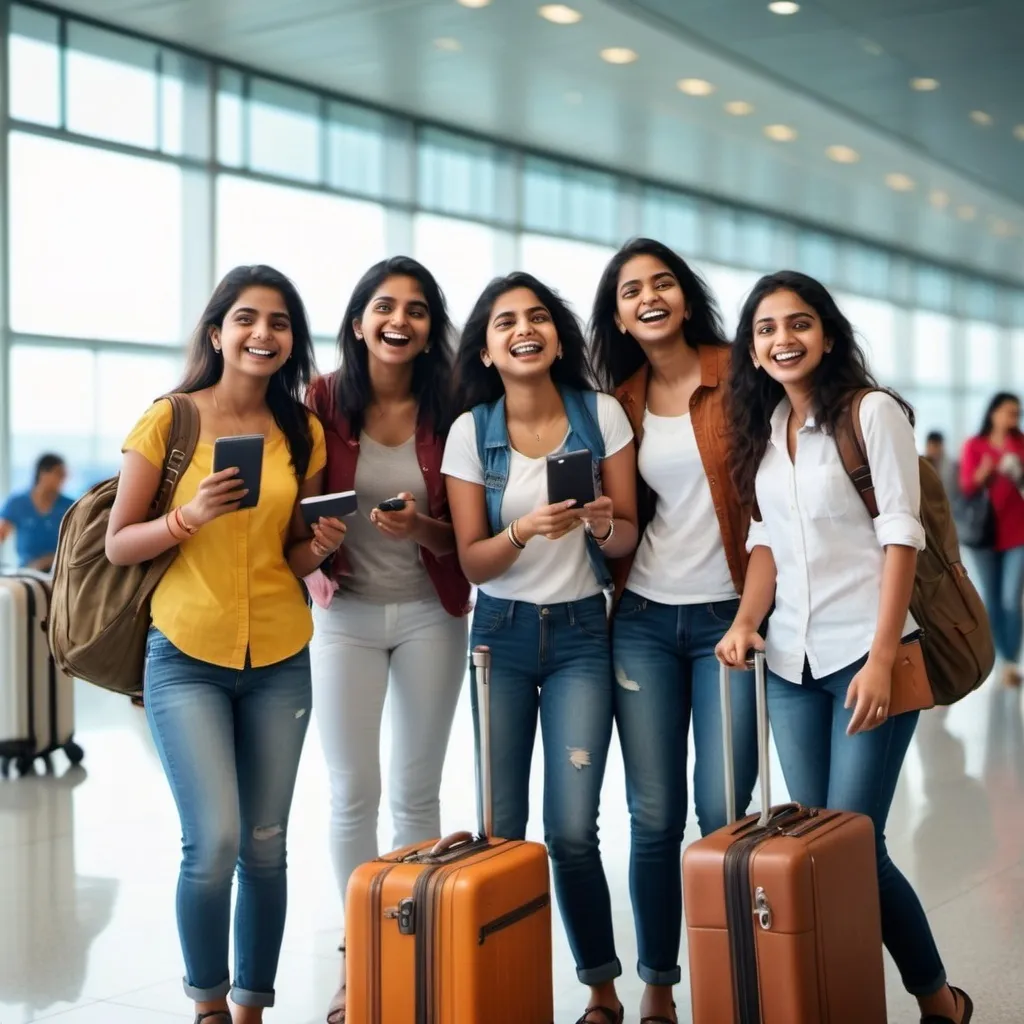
89	857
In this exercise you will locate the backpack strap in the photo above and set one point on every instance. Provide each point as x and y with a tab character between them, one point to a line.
853	451
181	446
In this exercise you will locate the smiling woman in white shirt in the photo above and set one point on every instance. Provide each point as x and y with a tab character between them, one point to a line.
840	581
524	379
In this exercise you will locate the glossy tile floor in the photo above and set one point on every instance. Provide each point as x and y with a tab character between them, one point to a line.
88	863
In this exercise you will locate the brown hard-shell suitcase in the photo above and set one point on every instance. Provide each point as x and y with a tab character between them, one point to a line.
453	931
782	911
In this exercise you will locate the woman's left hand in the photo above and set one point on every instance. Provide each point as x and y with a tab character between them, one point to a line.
399	525
597	516
869	694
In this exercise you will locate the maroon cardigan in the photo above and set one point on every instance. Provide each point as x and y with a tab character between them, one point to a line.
342	455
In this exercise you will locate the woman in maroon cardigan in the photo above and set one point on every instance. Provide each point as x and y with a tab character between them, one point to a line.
995	460
391	605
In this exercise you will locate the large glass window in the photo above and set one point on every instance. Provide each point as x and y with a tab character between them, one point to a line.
356	140
570	268
460	254
730	287
983	356
284	131
570	201
96	249
52	409
34	66
874	325
933	348
673	219
323	243
111	86
458	175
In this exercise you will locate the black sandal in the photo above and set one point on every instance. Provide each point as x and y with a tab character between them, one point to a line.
963	999
210	1014
610	1015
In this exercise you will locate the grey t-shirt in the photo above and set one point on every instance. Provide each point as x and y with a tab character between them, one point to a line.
385	570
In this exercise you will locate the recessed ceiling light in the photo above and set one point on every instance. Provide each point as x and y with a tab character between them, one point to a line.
560	14
966	212
695	87
780	132
1001	228
1018	132
900	182
474	3
924	84
842	154
939	198
741	108
980	117
574	98
448	44
783	7
619	55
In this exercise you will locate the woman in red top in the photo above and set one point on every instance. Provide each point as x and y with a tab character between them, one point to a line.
995	459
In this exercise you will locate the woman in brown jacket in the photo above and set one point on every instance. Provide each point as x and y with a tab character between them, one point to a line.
659	345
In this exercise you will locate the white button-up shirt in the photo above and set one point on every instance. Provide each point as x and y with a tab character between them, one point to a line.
828	551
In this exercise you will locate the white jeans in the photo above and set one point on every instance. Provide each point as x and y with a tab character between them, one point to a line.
357	647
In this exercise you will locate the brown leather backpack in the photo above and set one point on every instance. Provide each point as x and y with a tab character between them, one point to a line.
99	615
956	636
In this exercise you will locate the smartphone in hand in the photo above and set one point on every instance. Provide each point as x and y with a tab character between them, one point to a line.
245	452
328	506
571	475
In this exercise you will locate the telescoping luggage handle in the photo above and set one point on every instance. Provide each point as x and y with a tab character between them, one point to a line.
755	660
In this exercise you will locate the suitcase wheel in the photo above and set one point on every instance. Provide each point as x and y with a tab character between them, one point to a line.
74	752
5	767
25	766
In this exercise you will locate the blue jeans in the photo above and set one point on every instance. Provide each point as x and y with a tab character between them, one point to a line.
666	670
1002	586
555	659
826	768
230	743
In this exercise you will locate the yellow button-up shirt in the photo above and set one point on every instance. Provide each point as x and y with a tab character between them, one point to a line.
230	589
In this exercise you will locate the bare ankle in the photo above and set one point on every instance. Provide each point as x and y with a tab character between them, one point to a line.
657	1001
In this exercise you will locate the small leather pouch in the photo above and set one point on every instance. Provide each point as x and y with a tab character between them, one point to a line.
911	690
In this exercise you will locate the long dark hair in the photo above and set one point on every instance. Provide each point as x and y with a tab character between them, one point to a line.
618	356
432	369
476	383
997	400
753	394
288	385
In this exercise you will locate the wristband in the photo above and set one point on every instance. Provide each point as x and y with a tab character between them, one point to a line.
601	541
176	531
179	517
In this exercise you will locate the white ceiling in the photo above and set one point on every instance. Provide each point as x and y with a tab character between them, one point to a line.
520	78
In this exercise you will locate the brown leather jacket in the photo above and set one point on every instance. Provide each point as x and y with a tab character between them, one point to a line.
710	426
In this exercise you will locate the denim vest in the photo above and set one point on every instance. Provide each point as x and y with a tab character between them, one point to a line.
494	450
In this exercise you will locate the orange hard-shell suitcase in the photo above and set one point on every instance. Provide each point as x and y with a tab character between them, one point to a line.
455	931
783	917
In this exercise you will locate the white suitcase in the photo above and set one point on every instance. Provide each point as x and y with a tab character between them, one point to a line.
37	701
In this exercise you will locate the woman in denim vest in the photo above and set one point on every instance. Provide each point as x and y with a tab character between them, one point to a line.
524	381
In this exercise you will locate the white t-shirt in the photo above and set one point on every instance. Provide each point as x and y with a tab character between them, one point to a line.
548	571
681	558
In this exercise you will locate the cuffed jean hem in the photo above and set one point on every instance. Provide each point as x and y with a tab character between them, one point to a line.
649	976
206	995
599	975
927	990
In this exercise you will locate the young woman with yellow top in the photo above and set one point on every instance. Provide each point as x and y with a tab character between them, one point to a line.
227	683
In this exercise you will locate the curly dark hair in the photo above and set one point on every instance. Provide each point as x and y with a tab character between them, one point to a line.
476	383
753	394
432	369
618	356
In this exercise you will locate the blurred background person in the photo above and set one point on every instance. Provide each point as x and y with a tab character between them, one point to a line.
33	516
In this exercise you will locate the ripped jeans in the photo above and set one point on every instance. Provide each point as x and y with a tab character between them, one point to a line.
229	742
555	660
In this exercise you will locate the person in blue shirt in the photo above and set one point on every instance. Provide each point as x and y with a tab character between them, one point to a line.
34	516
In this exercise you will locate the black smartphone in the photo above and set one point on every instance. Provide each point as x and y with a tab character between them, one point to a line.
571	475
245	452
392	505
328	506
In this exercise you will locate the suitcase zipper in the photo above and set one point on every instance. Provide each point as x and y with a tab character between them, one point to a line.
376	895
423	909
741	933
513	917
